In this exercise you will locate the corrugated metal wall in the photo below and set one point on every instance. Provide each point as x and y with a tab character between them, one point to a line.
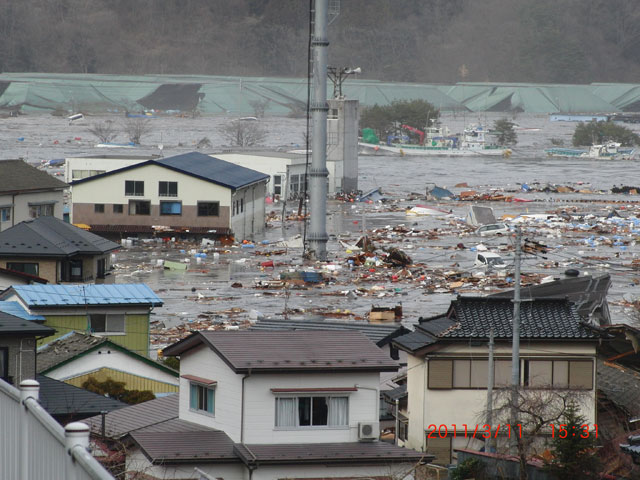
132	382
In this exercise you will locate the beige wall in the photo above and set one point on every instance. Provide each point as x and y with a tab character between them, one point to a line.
46	266
20	204
467	406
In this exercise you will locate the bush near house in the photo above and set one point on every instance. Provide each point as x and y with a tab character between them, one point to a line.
114	389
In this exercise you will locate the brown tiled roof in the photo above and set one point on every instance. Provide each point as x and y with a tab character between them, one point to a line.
329	453
18	176
136	417
178	447
290	351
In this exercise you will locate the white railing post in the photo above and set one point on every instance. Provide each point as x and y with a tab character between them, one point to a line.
28	389
76	434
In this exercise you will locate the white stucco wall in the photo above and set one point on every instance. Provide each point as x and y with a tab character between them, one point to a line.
259	401
260	406
202	362
251	220
107	357
20	204
111	189
467	406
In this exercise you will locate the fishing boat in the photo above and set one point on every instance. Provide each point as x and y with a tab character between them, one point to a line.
606	151
437	141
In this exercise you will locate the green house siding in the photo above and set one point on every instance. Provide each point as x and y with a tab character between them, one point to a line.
136	337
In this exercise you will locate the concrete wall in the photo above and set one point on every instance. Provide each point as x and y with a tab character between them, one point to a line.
268	164
21	357
342	145
20	205
251	221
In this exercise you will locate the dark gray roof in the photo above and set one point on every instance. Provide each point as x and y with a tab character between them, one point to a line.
136	417
12	325
329	453
198	165
59	398
620	385
396	393
379	334
51	237
178	447
539	319
588	293
425	334
18	176
290	351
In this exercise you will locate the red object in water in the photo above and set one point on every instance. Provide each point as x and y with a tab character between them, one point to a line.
516	199
267	264
355	222
78	138
56	142
372	270
394	278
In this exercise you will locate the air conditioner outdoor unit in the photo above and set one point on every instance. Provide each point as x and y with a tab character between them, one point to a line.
368	431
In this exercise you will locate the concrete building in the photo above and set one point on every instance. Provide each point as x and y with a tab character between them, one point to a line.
192	194
342	145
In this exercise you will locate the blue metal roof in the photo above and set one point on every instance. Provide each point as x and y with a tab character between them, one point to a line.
59	295
15	309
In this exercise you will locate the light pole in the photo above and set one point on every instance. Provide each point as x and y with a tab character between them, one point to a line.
338	75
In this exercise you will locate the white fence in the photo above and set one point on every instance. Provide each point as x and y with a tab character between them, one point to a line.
33	446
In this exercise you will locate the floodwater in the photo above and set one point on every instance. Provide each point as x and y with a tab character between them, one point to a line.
221	291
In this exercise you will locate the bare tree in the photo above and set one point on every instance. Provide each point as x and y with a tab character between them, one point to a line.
105	131
536	409
259	106
243	133
136	128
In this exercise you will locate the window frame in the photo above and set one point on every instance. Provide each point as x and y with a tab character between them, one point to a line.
5	214
106	324
172	202
139	202
4	364
9	266
98	208
167	189
296	410
201	204
201	388
36	210
118	208
135	191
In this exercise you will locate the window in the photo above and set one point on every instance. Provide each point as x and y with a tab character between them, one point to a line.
106	323
168	189
4	363
30	268
170	208
117	208
332	138
202	398
139	207
277	184
101	268
573	374
208	209
441	448
41	210
241	205
98	208
5	214
71	271
134	188
78	174
316	411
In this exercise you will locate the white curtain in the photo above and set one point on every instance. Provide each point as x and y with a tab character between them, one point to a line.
285	412
338	411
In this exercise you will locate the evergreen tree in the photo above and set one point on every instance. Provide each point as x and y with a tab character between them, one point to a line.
506	135
573	448
596	133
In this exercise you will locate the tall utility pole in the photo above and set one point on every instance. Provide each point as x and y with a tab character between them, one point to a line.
318	182
515	355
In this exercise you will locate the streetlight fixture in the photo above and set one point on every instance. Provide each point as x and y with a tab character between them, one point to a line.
338	75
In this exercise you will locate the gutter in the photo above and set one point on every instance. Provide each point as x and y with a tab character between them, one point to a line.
242	412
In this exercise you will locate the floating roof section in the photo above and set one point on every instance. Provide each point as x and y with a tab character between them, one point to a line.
76	295
234	95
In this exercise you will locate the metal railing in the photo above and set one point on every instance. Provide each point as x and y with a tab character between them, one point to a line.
33	446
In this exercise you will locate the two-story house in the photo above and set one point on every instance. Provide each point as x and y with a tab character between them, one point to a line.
26	192
119	312
189	194
49	249
448	374
275	404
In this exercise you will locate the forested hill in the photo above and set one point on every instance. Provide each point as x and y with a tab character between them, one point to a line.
427	41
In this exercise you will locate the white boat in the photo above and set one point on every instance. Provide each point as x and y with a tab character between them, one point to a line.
436	141
423	210
606	151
